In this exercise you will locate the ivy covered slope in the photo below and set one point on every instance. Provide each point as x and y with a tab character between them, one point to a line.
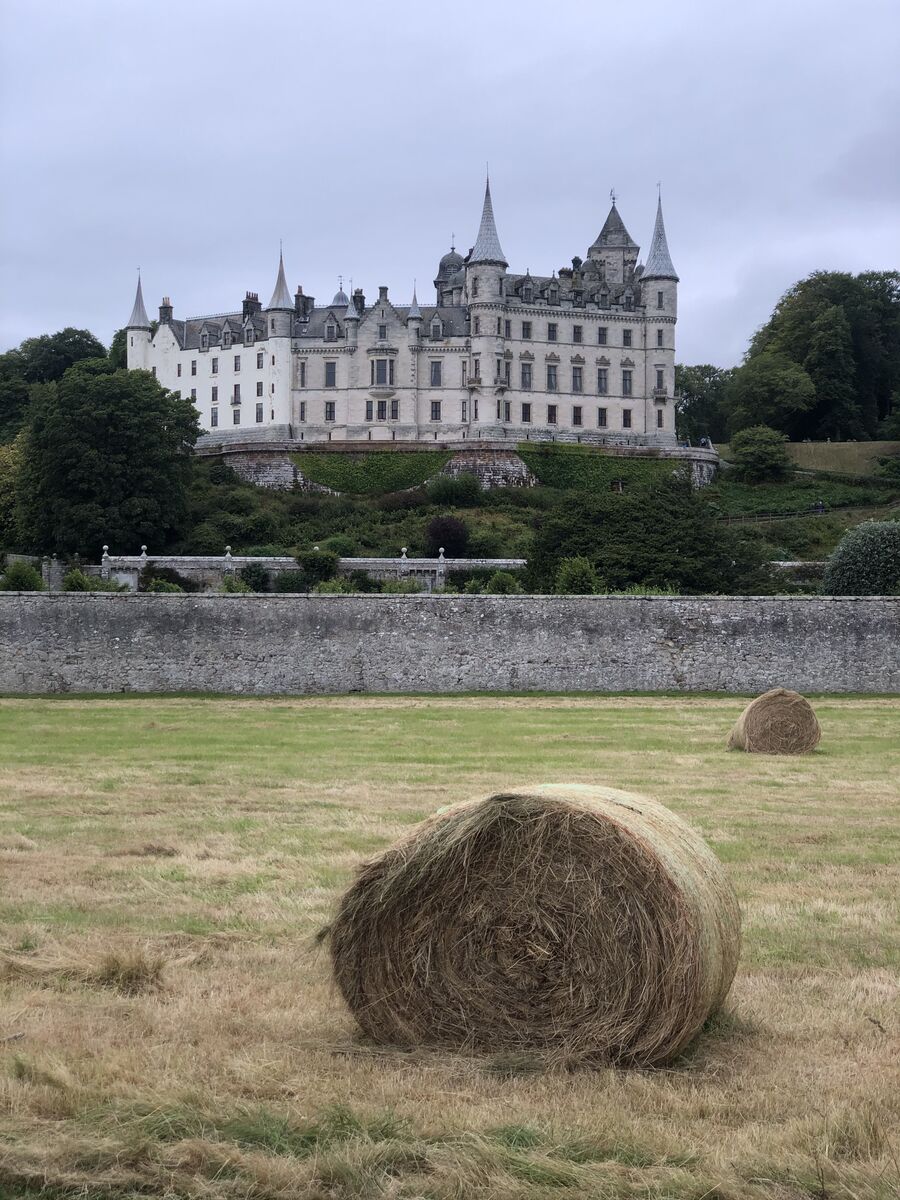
370	474
580	468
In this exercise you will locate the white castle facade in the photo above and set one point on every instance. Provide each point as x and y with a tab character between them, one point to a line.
585	354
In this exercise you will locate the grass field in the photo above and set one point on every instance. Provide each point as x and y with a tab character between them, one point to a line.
167	1026
848	458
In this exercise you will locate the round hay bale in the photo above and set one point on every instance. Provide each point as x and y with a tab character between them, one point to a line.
777	722
584	923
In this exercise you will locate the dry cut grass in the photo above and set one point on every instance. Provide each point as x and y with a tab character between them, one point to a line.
168	1026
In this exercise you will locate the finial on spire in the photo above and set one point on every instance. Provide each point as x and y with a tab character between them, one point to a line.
612	196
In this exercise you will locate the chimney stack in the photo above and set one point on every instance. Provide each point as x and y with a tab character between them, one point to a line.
165	311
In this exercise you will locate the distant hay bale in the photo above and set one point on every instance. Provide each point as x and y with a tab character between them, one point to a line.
585	923
777	722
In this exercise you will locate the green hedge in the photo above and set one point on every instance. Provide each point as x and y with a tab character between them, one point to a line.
371	474
582	467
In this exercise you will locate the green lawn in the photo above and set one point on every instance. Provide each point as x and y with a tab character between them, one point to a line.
172	1029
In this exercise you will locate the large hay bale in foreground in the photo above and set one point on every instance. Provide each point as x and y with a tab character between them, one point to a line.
777	722
580	922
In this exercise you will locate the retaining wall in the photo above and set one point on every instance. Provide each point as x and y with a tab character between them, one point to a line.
101	642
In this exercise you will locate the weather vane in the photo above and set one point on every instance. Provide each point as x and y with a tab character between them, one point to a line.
612	195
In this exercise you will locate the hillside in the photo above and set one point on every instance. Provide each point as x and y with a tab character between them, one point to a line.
843	458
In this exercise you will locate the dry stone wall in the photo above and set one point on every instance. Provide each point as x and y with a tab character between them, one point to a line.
288	644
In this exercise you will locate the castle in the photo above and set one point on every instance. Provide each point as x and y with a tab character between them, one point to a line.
585	354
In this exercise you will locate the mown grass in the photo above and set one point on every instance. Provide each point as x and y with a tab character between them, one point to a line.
167	862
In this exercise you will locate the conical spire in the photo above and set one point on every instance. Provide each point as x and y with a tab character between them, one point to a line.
281	297
414	313
614	232
138	318
487	247
659	261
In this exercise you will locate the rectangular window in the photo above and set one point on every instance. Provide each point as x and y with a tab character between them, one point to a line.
477	328
626	383
214	417
237	393
463	368
576	414
526	377
259	414
302	410
659	418
498	327
551	331
577	333
660	384
435	373
395	410
236	416
237	362
303	373
507	410
526	331
526	414
601	336
476	367
215	366
259	387
435	410
329	410
370	409
551	377
214	396
260	360
626	418
659	337
659	300
507	329
193	393
273	360
498	373
626	337
193	366
331	375
507	372
601	418
381	410
551	414
602	381
464	416
381	372
382	333
577	379
178	371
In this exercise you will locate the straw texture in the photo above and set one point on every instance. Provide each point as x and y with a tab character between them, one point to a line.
584	923
777	722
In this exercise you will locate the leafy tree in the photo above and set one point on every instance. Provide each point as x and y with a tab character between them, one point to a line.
48	357
770	389
576	577
255	576
829	364
13	395
503	583
10	460
118	350
759	454
105	458
701	408
451	533
318	565
21	577
660	534
866	561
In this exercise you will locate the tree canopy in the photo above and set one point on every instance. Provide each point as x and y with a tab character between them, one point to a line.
105	457
41	359
701	410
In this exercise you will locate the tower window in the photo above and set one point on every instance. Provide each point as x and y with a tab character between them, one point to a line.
178	370
577	333
260	360
499	326
259	414
236	398
214	366
477	328
193	366
259	387
660	384
436	330
214	396
507	329
331	374
303	373
577	379
659	337
237	362
659	418
382	333
236	416
601	336
213	417
475	285
659	300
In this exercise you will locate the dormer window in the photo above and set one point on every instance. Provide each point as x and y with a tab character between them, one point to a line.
604	299
204	341
629	299
553	295
226	339
330	332
248	336
528	293
437	330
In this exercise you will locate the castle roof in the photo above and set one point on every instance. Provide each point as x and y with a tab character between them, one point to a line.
414	313
281	297
138	318
487	248
614	232
659	261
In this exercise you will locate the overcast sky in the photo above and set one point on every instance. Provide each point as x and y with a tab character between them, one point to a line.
187	138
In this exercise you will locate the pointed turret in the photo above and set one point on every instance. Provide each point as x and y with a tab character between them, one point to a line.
281	297
614	232
659	261
414	313
138	318
487	247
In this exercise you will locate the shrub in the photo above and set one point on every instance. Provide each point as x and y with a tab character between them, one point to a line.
473	587
318	565
21	577
361	581
401	587
503	583
290	581
341	545
255	576
162	585
759	454
399	501
576	577
333	587
455	491
234	585
152	574
866	561
77	581
451	533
